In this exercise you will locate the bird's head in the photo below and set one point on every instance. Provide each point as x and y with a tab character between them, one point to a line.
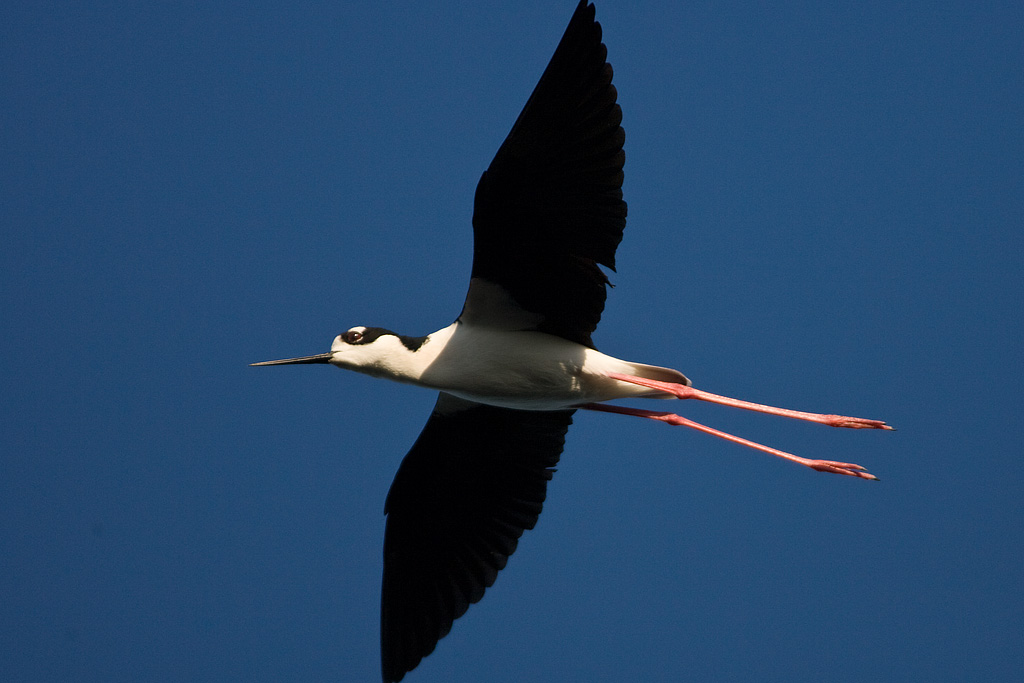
371	350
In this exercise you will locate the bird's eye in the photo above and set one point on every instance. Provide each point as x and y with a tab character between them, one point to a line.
352	337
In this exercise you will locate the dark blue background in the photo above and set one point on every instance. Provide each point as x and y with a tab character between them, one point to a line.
825	214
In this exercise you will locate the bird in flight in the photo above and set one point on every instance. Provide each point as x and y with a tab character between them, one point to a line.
519	359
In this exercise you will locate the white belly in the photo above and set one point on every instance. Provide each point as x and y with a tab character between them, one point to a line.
533	371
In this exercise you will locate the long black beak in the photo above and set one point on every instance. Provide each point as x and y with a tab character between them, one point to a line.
319	358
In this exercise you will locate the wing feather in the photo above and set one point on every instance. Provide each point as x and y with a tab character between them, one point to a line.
549	208
475	479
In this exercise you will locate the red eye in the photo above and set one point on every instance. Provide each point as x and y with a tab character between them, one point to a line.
352	337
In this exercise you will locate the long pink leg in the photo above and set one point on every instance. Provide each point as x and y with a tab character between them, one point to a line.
846	468
682	391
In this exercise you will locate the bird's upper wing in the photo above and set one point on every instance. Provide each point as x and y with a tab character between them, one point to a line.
549	208
475	479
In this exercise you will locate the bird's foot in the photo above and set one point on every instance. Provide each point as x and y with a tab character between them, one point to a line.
847	468
856	422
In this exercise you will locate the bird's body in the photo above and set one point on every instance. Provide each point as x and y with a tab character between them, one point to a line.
519	359
520	369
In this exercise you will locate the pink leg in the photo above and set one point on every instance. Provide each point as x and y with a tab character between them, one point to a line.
671	418
681	391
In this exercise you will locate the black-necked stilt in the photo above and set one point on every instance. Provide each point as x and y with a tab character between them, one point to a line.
519	359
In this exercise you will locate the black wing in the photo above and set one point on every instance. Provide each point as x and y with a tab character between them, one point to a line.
549	208
475	479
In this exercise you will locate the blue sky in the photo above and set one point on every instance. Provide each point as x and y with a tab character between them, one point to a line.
825	214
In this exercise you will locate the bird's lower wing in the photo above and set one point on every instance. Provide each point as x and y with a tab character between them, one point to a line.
475	479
